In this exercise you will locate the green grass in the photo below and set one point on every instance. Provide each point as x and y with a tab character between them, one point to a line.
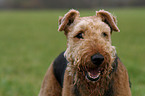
29	42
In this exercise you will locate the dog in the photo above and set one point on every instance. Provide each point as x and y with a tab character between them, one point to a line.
90	65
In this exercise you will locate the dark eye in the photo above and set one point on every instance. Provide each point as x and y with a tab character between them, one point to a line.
104	34
80	36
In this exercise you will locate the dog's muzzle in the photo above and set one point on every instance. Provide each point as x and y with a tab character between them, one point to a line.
93	74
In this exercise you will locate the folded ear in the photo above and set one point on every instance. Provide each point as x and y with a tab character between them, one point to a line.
67	20
109	19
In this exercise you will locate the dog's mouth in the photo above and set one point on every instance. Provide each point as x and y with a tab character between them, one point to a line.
93	74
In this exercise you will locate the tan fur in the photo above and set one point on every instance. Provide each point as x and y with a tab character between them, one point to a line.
68	86
50	86
109	18
70	16
121	80
79	52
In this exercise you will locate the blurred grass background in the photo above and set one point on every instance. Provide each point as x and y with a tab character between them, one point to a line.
29	42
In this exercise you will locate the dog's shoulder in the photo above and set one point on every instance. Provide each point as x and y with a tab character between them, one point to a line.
59	67
119	62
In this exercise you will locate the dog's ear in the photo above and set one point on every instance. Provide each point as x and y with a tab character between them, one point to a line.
67	20
109	19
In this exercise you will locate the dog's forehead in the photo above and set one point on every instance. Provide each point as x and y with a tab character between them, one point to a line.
83	23
90	19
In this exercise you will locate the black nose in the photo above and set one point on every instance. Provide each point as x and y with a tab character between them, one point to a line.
97	59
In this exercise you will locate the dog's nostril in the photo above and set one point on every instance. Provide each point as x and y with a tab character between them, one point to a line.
97	59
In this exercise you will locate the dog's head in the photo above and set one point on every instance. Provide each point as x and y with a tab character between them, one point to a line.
89	46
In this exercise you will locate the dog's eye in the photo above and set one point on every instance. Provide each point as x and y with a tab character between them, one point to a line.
80	36
104	34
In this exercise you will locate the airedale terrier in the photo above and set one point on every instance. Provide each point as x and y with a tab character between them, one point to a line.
90	65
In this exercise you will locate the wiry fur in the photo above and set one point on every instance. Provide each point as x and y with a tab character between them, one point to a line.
79	52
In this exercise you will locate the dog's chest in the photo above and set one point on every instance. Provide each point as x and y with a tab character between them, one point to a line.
76	92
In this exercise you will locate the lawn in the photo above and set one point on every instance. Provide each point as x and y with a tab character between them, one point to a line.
29	42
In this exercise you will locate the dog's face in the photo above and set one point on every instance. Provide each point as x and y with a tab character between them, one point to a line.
89	46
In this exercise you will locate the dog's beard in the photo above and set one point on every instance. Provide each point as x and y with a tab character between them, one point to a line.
80	63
